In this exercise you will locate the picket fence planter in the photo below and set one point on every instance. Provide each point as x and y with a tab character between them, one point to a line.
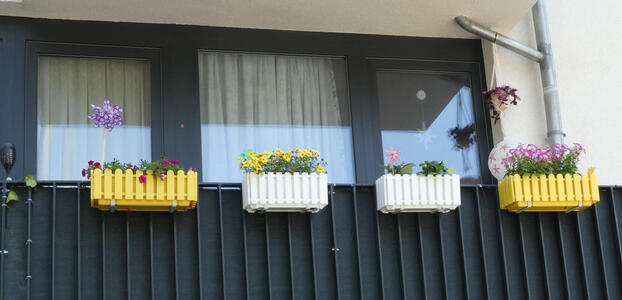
414	193
284	192
548	193
122	191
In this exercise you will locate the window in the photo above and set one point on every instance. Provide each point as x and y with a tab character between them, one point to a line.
429	116
66	139
263	102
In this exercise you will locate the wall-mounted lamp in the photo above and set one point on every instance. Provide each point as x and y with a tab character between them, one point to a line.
7	157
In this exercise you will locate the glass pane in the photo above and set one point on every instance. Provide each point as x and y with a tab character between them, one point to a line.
429	116
263	102
66	139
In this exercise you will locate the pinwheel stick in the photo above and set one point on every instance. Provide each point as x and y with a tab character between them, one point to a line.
104	146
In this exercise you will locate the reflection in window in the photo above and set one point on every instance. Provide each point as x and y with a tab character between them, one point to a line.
264	102
66	139
429	117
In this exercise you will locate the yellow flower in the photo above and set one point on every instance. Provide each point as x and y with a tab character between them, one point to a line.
264	160
246	164
266	153
315	152
320	169
240	159
287	156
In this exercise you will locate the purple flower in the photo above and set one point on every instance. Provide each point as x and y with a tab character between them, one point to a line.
107	116
142	179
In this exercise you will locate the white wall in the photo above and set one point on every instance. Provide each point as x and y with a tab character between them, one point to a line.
587	43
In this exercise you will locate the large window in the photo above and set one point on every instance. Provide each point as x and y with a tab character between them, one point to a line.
66	139
262	102
429	116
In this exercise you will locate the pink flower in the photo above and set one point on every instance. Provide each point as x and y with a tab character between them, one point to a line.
393	155
174	161
97	165
165	162
142	179
83	172
90	162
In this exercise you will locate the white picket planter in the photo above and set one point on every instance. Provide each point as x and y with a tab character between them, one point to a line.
284	192
414	193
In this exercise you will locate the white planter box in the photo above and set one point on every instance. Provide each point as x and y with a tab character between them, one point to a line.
414	193
285	192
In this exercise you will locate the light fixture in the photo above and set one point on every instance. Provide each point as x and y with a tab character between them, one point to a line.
7	157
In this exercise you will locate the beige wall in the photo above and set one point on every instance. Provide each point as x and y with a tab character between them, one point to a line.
587	44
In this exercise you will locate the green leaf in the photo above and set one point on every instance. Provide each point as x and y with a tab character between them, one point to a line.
407	169
12	196
30	181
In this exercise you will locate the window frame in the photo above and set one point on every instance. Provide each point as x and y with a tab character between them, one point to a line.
472	70
34	49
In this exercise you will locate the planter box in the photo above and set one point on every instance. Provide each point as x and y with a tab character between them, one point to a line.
122	191
414	193
548	193
284	192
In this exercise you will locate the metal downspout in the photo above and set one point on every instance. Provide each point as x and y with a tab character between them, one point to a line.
555	132
543	55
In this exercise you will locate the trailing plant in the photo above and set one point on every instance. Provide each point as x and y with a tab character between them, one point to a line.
279	161
434	168
463	137
533	160
393	167
30	182
499	99
159	167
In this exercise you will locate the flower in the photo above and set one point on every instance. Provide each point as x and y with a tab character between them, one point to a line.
83	172
393	155
142	179
173	161
96	165
165	162
90	162
107	116
320	169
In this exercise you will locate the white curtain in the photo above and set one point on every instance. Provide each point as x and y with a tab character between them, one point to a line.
264	102
66	139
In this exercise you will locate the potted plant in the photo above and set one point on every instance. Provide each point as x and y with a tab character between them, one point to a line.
434	189
546	179
149	186
499	100
284	181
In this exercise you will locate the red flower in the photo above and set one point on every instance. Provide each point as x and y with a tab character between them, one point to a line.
142	179
83	172
174	161
165	162
96	165
90	162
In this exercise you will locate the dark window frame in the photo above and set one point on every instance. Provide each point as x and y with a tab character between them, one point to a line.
35	49
473	71
176	48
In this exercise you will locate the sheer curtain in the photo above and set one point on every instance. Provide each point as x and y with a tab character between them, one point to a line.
66	139
263	102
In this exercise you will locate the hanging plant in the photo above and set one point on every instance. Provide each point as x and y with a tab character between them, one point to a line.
463	137
499	100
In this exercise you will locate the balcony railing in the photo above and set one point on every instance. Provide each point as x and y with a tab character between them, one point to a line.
346	251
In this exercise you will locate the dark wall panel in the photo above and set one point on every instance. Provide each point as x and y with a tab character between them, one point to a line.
346	251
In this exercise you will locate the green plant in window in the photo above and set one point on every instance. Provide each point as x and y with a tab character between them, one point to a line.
393	167
279	161
434	168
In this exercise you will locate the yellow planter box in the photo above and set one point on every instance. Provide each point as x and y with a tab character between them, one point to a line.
122	191
548	192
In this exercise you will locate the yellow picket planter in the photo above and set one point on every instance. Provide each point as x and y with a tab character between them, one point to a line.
122	191
548	192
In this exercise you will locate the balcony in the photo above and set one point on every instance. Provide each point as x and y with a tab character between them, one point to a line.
346	251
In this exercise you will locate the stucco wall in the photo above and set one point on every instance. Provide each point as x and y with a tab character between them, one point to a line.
586	50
